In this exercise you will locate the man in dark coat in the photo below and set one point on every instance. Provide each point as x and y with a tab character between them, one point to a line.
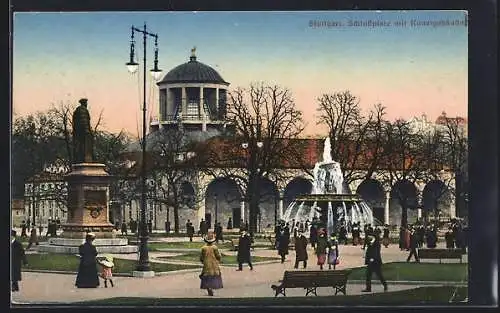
431	237
18	259
87	270
133	226
283	241
313	235
386	233
124	228
300	250
413	246
23	230
343	235
448	238
218	233
189	230
243	256
373	262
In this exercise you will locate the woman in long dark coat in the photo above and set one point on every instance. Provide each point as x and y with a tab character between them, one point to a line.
18	258
87	276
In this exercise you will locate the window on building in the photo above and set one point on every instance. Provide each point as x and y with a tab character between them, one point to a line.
192	109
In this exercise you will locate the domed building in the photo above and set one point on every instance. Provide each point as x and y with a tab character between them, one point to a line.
193	96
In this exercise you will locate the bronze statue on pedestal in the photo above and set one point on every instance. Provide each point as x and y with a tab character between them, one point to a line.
82	134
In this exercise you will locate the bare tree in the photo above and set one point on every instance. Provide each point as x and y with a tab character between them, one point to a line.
356	140
267	125
173	161
403	164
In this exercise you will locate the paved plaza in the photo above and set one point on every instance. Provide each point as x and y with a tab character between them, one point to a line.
39	288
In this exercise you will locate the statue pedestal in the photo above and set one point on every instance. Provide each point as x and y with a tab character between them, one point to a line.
88	199
88	211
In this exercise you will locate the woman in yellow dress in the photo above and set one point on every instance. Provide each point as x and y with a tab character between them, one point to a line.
210	257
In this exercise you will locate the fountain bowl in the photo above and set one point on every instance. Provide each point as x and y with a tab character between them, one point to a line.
331	210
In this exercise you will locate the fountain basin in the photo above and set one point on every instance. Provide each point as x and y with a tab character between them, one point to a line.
332	210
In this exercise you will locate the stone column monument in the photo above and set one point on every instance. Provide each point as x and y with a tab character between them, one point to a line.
88	196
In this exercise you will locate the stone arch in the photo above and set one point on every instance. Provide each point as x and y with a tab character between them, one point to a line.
222	197
403	192
436	198
268	204
372	191
296	187
188	195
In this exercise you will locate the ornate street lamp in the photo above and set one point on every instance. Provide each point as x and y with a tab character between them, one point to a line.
253	145
132	67
216	208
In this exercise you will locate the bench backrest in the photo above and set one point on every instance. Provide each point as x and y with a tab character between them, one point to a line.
440	253
294	279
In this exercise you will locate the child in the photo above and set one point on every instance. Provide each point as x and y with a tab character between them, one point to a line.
106	272
333	252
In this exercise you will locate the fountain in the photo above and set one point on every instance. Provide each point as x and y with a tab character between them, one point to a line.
329	201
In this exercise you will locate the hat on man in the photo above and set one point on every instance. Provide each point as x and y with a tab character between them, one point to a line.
209	238
13	233
371	239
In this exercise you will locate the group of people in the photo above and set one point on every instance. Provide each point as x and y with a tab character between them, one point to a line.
53	225
88	275
326	249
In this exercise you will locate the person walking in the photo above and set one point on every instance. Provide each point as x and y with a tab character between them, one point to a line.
313	235
385	238
373	262
321	248
413	246
244	245
18	259
343	235
23	230
229	223
107	270
210	276
283	241
448	238
33	238
300	250
218	232
124	228
333	252
356	234
407	236
87	276
189	230
401	238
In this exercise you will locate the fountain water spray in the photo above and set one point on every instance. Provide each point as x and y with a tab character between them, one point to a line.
328	193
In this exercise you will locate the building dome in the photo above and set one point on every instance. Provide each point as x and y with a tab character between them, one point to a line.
193	72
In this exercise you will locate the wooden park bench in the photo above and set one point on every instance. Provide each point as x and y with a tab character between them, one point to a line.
310	280
440	254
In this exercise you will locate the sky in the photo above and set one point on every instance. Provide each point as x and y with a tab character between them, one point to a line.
409	65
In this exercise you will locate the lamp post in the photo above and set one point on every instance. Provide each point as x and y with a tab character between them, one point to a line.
216	208
253	145
132	66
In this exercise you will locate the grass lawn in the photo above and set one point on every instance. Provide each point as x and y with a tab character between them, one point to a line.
154	246
226	259
70	262
455	272
418	296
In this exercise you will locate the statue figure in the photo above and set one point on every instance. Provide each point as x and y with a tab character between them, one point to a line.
82	134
